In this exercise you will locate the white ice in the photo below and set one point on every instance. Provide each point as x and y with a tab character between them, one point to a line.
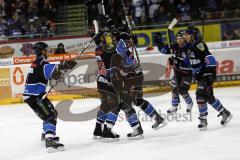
21	129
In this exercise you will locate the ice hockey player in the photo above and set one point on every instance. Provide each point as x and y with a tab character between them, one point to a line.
182	78
109	99
203	65
37	79
129	88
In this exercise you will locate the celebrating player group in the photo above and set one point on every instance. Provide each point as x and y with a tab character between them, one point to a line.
120	81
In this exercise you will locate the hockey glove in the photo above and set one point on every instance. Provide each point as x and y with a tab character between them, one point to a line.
64	65
56	74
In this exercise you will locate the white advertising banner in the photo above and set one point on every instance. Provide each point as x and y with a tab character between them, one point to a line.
155	67
10	51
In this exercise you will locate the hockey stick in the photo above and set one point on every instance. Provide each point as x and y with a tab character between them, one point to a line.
130	29
170	27
66	70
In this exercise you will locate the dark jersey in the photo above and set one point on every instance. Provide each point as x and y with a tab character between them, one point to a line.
103	58
200	59
39	74
180	54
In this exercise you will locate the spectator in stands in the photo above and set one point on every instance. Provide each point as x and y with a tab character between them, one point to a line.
237	13
2	8
161	15
60	49
153	5
3	26
32	8
139	9
184	10
213	7
227	10
170	8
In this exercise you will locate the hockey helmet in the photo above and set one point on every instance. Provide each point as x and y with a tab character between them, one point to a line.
181	34
194	31
38	47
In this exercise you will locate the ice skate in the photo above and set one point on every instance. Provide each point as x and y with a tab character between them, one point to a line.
203	124
136	134
172	110
159	122
97	134
109	136
226	117
53	146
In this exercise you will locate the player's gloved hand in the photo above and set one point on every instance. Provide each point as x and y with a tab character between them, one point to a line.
166	50
56	74
157	38
64	65
98	38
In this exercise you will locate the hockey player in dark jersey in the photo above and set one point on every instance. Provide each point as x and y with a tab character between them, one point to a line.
182	78
109	100
129	89
39	74
203	65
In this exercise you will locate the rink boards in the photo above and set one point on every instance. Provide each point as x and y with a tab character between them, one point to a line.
81	82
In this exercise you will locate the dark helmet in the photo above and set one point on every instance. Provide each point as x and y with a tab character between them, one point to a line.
194	31
38	47
125	36
180	34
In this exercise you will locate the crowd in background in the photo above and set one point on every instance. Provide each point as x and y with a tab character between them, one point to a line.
161	11
35	17
26	17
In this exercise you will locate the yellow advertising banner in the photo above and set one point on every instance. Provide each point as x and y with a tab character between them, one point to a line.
5	83
212	32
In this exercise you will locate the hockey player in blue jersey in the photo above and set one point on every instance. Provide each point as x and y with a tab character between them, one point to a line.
203	65
35	88
129	89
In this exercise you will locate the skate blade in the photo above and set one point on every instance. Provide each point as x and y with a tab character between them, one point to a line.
228	120
52	150
203	129
172	113
161	125
96	137
136	137
109	140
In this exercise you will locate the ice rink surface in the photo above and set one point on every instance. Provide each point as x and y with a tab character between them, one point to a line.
179	140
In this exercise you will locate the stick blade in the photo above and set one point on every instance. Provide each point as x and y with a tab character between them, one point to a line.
172	24
96	28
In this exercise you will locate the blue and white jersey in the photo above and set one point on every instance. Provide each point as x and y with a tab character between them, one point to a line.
128	58
39	74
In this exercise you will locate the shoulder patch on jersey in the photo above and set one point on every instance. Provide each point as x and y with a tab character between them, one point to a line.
200	46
